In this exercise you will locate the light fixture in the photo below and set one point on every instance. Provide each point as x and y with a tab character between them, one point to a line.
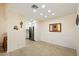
49	11
34	10
43	6
21	24
41	13
53	13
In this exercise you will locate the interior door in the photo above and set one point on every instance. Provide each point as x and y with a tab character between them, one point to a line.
31	33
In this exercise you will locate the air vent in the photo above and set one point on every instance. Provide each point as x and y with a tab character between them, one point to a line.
34	6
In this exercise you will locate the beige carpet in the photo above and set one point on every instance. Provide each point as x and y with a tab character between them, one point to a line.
34	48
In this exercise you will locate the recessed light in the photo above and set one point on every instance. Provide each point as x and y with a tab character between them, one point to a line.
53	13
34	10
49	11
45	16
43	6
41	13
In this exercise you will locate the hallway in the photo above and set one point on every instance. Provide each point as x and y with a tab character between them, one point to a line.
45	24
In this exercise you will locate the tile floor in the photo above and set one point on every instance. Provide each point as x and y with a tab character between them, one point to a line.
39	48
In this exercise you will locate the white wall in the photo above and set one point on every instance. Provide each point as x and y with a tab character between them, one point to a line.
67	36
37	31
16	38
78	41
78	35
2	22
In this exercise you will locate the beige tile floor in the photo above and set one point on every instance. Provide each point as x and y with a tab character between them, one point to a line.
39	48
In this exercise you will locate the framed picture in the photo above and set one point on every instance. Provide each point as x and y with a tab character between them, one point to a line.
55	27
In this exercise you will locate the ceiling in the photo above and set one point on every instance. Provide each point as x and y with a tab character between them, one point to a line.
58	9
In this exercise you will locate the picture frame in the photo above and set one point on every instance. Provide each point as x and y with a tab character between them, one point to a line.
56	27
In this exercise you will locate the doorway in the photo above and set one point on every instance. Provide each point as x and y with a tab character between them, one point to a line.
30	33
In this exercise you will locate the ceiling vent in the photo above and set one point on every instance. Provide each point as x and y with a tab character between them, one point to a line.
34	6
